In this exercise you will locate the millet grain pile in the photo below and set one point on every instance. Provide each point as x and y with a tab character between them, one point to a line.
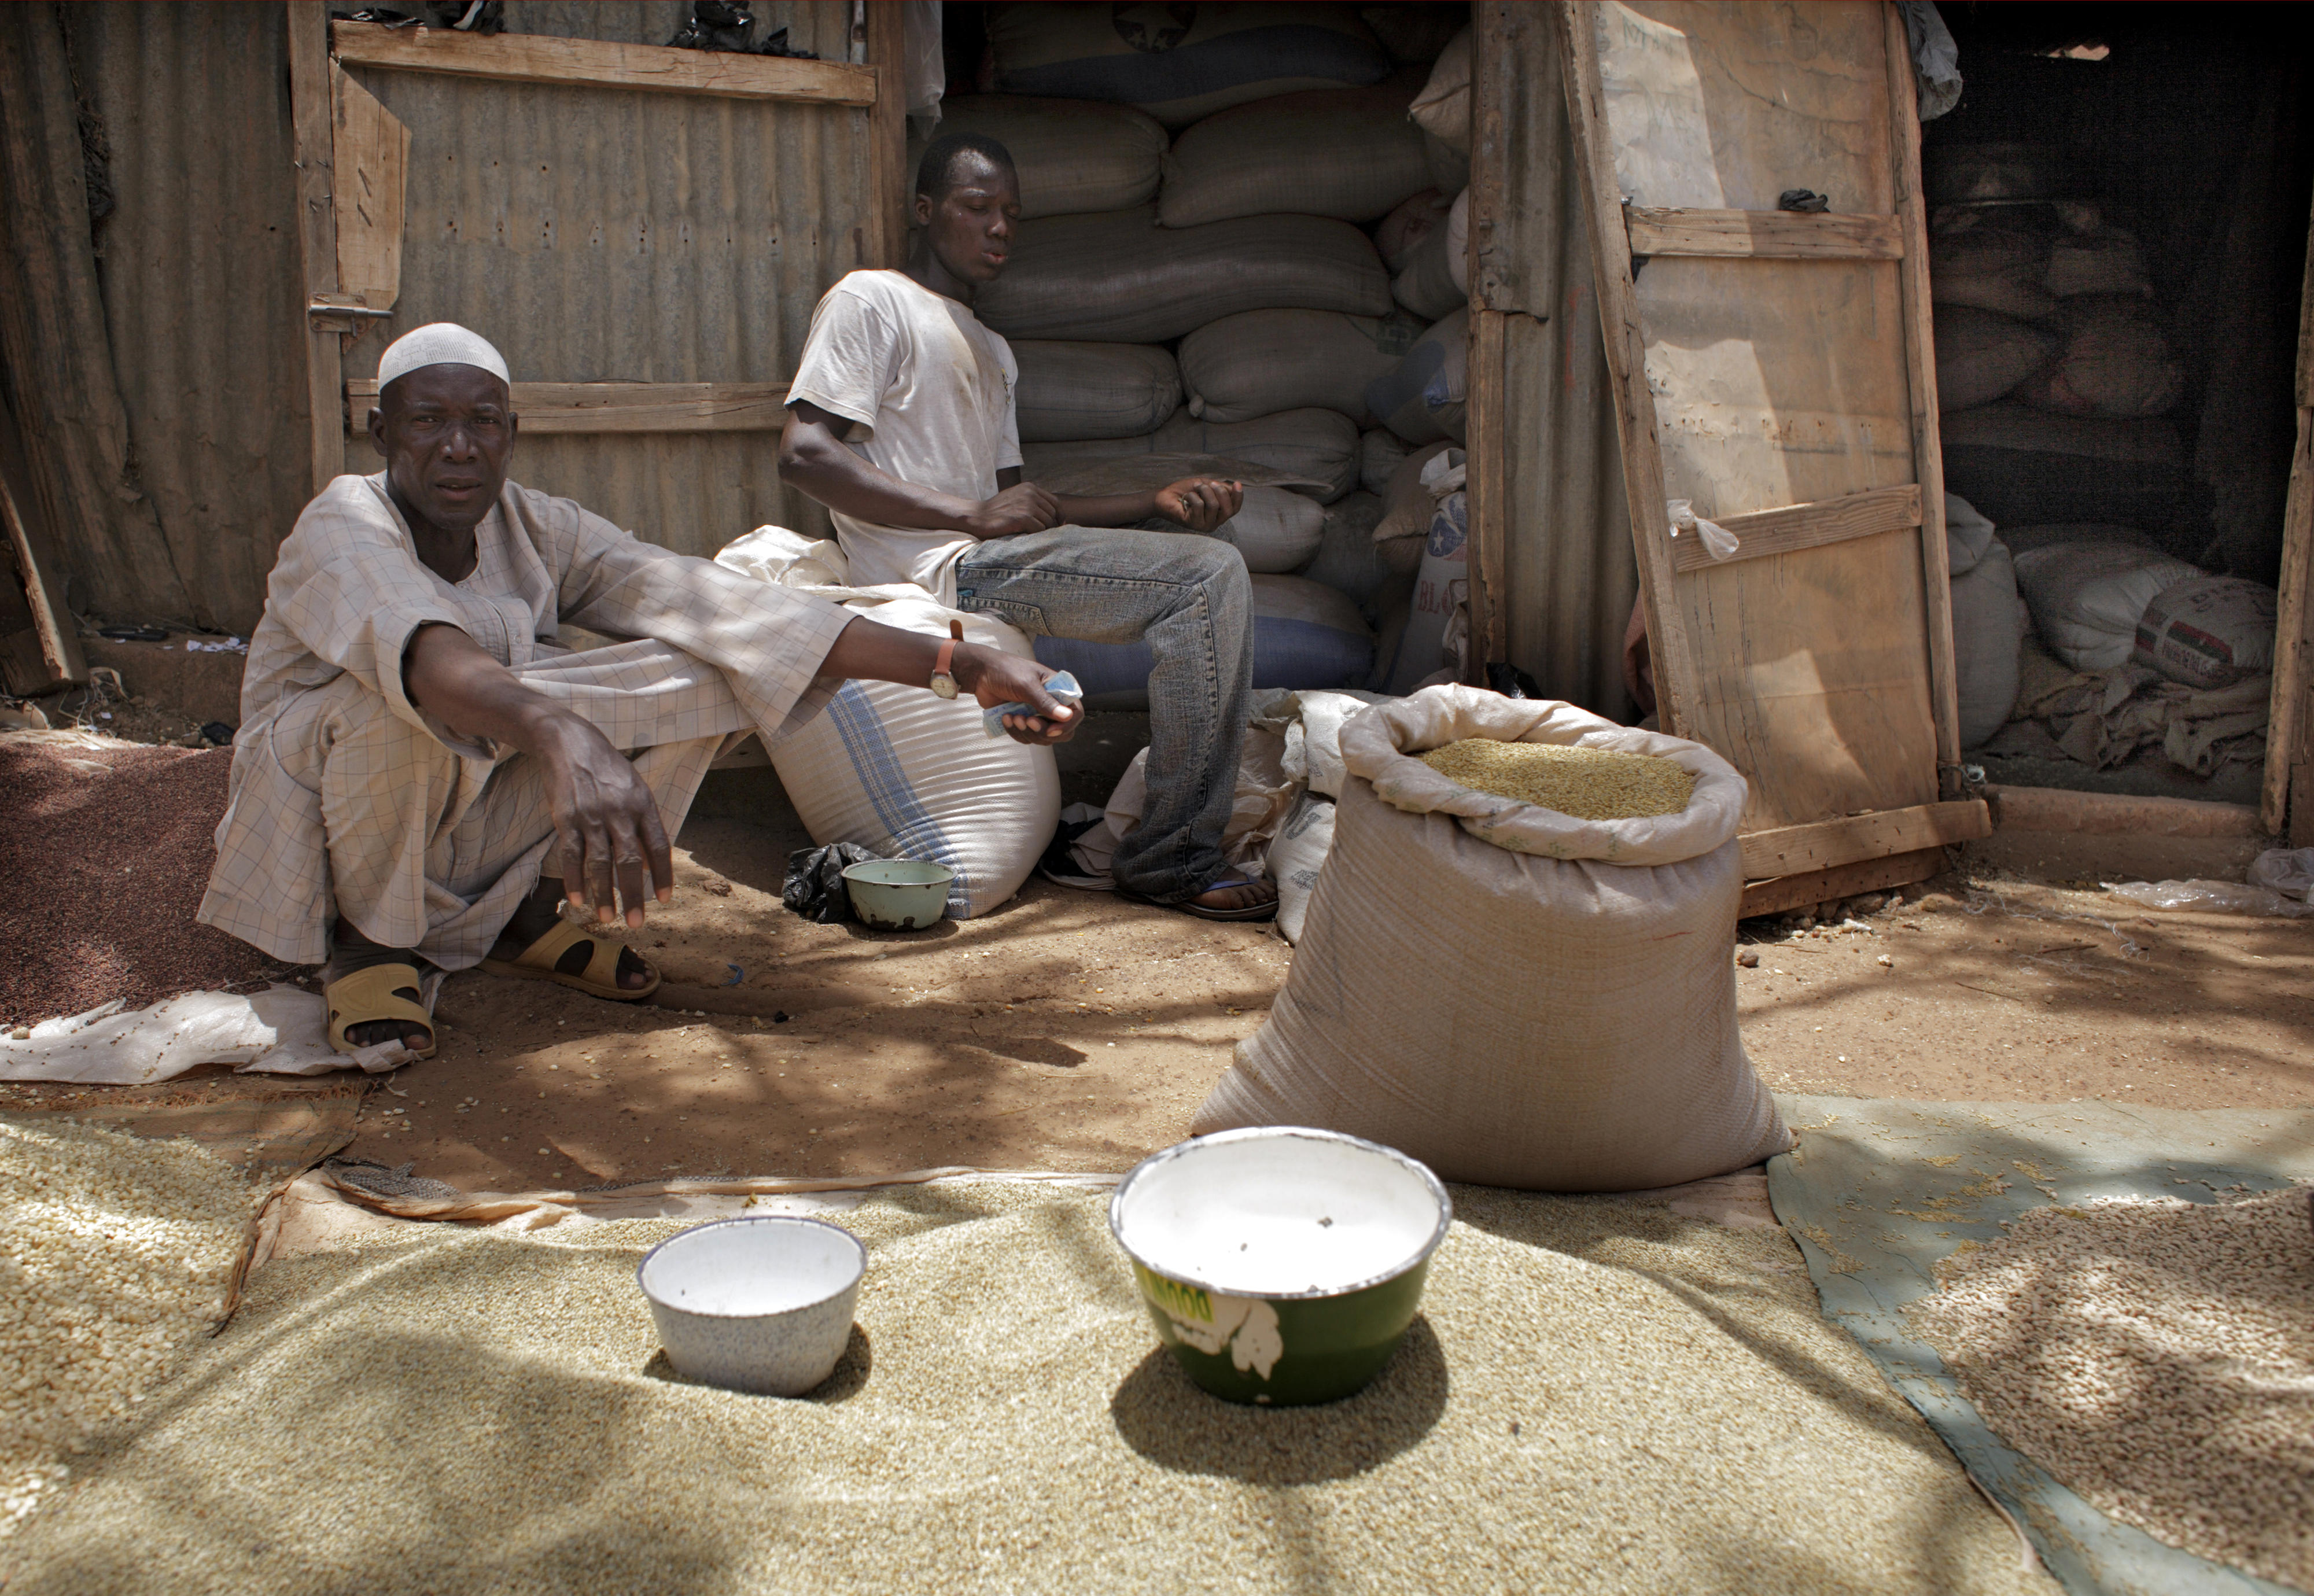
2158	1357
1598	1397
107	852
114	1254
1588	783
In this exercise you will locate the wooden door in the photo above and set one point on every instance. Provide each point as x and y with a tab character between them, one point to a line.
559	192
2287	802
1774	368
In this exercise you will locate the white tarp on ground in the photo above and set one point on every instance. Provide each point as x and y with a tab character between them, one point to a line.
279	1031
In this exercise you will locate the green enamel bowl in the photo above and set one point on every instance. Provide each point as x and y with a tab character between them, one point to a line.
1281	1265
898	895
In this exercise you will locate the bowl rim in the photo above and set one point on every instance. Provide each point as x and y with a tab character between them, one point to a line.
949	878
1266	1132
858	1275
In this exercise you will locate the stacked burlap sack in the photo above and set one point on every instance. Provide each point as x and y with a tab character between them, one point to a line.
1516	997
1240	246
2054	365
2056	376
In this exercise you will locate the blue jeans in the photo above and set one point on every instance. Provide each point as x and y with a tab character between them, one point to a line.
1189	597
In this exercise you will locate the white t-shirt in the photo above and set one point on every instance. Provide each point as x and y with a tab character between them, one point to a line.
928	391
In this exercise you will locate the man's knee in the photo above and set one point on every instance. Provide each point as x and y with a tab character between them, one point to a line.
1217	570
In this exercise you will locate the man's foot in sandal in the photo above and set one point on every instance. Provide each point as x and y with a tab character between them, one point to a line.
541	944
1233	897
350	957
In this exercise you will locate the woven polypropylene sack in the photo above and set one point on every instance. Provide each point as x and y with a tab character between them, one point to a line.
1072	155
1515	996
908	774
2087	598
2210	631
1263	362
1093	391
1344	152
1180	63
1297	858
1982	356
1992	269
1443	108
1120	278
1425	284
1319	447
1989	621
2116	361
1276	529
1424	396
1407	226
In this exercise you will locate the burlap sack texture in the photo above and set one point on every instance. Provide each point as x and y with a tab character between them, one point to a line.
1513	996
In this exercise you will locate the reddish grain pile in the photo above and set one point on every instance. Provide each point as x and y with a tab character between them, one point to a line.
105	852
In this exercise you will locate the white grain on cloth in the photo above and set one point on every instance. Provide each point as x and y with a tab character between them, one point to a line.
346	797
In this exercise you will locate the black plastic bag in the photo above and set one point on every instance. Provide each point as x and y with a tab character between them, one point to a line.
815	887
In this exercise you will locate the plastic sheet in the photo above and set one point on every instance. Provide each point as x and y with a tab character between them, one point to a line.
2215	897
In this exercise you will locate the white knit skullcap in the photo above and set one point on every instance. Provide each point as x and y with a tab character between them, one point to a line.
439	343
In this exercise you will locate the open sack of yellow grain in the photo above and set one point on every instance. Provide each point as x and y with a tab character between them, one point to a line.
1516	995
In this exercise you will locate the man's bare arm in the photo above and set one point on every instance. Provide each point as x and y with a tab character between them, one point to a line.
813	460
606	821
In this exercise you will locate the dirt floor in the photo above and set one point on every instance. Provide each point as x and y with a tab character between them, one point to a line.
1071	1030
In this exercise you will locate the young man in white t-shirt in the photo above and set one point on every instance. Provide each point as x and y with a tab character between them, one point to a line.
901	422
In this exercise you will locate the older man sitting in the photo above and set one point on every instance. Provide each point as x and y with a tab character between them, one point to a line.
419	761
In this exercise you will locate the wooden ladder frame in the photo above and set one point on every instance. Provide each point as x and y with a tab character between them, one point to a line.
1787	866
350	153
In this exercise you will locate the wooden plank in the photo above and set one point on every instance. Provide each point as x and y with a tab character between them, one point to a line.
1784	234
1842	881
2290	712
1676	672
887	136
368	176
51	655
2283	797
1488	433
1796	850
1921	377
543	58
1764	533
2116	814
310	131
620	407
1489	482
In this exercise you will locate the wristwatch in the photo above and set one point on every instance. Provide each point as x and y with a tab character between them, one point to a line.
942	683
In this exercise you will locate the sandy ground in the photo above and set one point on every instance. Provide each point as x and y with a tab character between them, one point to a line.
1071	1030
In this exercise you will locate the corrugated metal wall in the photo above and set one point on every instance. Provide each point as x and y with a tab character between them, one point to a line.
197	271
595	235
602	235
1569	572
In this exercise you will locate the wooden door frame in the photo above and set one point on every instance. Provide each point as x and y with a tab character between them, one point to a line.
1787	866
2286	802
316	48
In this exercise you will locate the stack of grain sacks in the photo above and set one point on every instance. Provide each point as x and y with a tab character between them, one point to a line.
2055	376
1235	256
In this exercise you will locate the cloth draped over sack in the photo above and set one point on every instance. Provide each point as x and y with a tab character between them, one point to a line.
2101	718
1513	996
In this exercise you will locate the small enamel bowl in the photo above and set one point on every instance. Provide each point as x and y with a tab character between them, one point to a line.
899	894
1281	1265
757	1304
